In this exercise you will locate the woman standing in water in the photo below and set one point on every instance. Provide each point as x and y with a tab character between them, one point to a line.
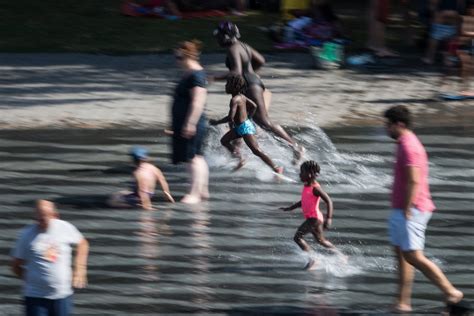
189	121
244	60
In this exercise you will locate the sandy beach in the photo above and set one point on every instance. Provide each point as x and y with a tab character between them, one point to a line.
99	91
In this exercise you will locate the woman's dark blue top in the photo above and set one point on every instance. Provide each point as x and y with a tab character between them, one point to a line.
185	149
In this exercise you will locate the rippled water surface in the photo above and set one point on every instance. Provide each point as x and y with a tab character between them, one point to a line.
235	254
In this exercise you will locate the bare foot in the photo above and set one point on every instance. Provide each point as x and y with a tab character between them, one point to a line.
311	265
278	174
454	297
401	308
191	199
298	153
239	165
278	170
344	258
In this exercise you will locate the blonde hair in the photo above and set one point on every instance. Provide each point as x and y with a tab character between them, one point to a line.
189	49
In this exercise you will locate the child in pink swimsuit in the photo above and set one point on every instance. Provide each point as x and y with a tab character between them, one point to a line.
315	222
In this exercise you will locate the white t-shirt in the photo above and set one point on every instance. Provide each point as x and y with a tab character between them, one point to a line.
47	257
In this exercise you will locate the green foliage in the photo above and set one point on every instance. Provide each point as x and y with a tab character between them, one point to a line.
96	26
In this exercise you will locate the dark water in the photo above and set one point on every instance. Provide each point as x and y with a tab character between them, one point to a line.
234	255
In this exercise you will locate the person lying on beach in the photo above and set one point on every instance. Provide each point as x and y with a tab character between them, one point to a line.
146	176
241	109
314	223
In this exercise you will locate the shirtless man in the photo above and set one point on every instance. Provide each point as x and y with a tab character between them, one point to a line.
241	125
145	175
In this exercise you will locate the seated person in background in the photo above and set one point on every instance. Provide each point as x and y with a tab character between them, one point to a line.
446	20
318	23
146	176
459	59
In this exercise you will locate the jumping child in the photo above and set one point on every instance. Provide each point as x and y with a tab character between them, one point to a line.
241	109
315	223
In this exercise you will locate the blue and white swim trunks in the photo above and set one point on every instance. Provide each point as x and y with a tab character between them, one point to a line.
408	234
245	128
442	32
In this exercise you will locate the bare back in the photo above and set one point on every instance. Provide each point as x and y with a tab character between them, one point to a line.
146	176
243	59
239	103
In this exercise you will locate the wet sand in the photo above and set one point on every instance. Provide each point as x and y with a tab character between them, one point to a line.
97	91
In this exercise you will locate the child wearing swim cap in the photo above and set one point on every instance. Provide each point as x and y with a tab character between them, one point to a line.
314	223
145	176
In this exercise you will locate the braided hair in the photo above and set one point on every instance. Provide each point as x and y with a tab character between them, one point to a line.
310	167
236	84
228	31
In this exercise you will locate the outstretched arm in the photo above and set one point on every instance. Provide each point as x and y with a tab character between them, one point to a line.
221	121
164	185
317	191
251	107
292	207
79	279
235	61
219	77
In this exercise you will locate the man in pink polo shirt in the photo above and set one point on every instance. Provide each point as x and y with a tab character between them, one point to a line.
412	209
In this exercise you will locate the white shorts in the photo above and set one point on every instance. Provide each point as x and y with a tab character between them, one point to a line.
409	234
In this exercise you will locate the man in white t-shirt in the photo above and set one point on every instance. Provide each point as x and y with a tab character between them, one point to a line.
42	258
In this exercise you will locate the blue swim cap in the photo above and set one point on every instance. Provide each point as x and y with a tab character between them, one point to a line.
139	153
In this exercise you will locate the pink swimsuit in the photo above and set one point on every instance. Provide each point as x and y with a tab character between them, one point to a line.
310	203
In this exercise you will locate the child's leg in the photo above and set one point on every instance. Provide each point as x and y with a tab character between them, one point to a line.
251	142
227	142
318	234
305	228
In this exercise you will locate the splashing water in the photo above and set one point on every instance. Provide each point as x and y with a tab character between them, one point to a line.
346	170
